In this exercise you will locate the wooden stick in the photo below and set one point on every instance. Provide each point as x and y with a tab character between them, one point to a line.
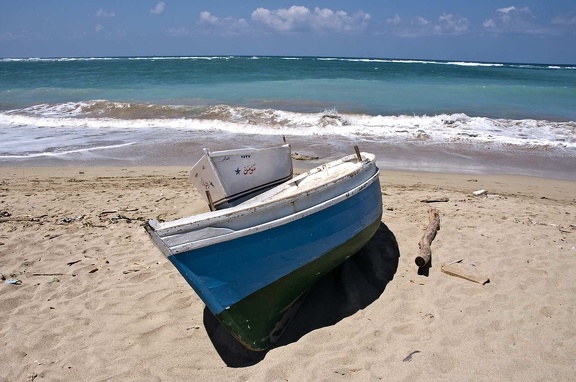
358	153
19	219
435	200
210	203
458	271
433	226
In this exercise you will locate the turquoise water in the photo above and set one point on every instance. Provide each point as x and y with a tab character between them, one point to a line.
69	105
367	86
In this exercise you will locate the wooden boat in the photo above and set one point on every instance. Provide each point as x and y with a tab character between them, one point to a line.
251	263
227	178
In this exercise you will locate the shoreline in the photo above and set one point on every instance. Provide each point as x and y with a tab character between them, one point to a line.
416	157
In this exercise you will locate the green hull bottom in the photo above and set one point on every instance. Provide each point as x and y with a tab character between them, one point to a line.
258	320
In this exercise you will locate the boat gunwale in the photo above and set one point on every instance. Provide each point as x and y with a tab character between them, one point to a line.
214	154
194	222
234	234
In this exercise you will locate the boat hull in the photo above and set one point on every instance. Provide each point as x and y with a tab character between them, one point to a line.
258	320
250	283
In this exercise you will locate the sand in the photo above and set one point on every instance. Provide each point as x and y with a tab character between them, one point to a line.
98	302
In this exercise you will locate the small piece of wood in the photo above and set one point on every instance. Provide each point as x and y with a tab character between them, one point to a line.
210	202
435	200
297	156
433	226
116	211
358	155
18	219
459	271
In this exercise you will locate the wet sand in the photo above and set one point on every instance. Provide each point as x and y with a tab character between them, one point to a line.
453	158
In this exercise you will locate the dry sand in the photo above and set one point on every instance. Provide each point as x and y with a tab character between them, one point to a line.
98	302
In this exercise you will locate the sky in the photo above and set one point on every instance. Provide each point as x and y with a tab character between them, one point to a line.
526	31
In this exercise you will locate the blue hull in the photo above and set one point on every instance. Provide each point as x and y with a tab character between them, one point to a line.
229	274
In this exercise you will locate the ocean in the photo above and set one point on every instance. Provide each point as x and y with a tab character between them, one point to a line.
469	117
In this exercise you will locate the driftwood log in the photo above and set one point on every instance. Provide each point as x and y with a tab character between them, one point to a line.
425	254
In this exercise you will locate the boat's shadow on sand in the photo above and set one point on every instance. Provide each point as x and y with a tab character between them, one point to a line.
352	286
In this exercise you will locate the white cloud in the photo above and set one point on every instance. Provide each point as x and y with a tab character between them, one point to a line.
489	24
22	35
506	10
420	21
448	24
298	18
513	20
224	26
396	20
159	8
564	20
99	28
207	18
102	13
565	24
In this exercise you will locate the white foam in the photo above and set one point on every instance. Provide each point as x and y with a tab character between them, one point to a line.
50	128
65	152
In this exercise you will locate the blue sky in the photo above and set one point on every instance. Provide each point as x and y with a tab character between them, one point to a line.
531	31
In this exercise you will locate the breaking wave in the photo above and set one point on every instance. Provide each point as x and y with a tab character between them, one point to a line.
102	123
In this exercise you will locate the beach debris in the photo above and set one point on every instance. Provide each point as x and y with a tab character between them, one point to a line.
118	216
48	274
68	220
568	229
127	209
435	200
480	193
89	224
408	358
130	271
466	271
93	270
10	218
73	262
13	282
425	254
297	156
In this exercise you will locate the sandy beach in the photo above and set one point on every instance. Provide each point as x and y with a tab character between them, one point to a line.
97	301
